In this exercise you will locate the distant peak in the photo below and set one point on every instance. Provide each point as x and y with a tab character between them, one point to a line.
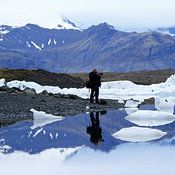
105	24
65	23
31	25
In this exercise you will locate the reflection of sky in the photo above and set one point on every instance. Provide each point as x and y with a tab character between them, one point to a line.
127	159
72	132
64	147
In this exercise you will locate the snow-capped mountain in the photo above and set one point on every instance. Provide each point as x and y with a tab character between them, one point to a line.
67	49
67	24
169	31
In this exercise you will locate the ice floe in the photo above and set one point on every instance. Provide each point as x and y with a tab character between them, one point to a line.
165	103
2	82
40	118
132	103
121	90
150	118
138	134
130	110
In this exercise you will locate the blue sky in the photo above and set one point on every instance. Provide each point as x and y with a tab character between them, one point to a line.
125	14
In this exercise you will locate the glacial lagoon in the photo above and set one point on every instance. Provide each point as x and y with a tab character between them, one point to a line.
100	143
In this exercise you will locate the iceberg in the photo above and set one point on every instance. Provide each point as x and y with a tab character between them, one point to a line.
138	134
150	118
40	118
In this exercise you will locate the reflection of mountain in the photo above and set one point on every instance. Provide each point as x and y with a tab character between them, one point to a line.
68	133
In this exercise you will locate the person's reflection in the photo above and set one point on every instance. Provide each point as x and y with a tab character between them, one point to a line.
95	130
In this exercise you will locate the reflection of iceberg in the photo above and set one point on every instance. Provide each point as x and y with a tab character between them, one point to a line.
132	103
130	110
137	134
150	118
41	118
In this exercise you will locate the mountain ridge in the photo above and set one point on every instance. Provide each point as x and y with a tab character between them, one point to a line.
100	46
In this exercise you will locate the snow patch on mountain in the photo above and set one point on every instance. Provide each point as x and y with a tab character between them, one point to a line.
167	31
49	41
61	23
28	44
67	24
36	46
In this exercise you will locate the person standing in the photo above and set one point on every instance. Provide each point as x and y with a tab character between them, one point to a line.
95	83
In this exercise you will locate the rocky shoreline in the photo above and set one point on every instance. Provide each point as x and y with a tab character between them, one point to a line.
15	104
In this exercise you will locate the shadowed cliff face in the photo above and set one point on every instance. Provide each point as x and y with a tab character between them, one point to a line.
99	46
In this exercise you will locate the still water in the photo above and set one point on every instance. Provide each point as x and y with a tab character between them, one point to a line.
89	144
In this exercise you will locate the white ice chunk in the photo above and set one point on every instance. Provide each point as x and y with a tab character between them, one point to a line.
132	103
123	90
130	110
2	82
23	85
40	118
150	118
55	42
165	104
63	42
138	134
118	84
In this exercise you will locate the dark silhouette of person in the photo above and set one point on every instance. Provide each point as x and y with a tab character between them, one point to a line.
95	83
95	131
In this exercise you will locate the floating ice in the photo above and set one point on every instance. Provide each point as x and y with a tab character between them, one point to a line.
130	110
122	90
40	118
165	104
2	82
138	134
150	118
132	103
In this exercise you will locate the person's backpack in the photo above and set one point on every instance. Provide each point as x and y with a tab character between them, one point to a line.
88	84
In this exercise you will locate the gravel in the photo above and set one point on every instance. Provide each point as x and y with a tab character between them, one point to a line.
15	105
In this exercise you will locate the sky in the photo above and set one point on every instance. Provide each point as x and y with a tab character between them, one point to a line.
124	14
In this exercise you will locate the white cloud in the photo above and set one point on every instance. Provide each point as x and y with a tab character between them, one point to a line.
121	13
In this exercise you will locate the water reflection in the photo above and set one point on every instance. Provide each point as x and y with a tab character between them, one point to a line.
72	132
95	131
